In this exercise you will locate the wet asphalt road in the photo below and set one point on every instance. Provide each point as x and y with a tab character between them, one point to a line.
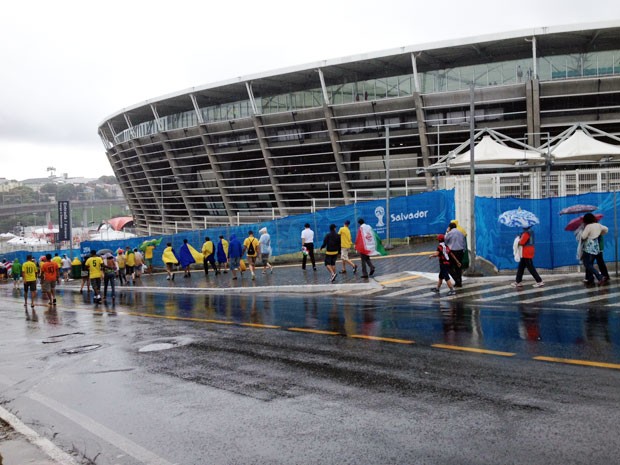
265	379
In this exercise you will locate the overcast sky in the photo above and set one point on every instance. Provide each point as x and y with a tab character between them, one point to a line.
67	65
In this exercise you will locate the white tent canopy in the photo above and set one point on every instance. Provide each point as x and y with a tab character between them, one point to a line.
489	153
582	146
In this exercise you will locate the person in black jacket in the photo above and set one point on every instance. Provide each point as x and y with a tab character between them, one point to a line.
331	244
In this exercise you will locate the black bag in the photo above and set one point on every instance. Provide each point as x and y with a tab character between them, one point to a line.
251	249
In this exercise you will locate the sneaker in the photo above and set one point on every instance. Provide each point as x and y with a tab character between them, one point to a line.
253	276
540	284
333	278
354	268
364	276
515	284
371	272
603	280
167	279
452	292
234	277
343	272
435	290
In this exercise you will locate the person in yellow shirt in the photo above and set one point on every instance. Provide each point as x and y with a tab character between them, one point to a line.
208	250
130	264
29	273
148	258
345	244
94	265
252	247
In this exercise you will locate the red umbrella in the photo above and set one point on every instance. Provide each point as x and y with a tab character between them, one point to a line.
578	209
574	224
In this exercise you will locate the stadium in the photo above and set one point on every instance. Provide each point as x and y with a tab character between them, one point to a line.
365	127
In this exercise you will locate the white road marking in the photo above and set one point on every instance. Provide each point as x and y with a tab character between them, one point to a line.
136	451
47	446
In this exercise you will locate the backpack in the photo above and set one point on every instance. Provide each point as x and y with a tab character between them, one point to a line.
251	249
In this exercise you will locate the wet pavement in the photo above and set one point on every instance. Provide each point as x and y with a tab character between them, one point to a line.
242	364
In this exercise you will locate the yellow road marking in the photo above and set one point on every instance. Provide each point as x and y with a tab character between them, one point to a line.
314	331
384	339
569	361
256	325
399	280
180	318
471	349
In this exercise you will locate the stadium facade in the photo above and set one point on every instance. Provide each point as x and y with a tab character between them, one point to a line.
318	135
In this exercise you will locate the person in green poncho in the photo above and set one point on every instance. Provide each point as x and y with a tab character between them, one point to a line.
16	273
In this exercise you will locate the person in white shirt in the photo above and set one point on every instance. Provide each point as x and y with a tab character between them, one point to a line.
307	242
66	268
591	250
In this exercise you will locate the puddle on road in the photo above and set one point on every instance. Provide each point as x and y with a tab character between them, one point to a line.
60	338
80	349
165	344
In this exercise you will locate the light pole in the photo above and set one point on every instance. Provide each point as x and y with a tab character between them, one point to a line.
388	245
472	181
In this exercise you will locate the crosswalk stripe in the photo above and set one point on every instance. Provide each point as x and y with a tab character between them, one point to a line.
401	292
517	292
595	299
551	297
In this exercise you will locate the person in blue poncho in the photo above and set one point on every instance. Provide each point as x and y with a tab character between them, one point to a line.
235	251
187	256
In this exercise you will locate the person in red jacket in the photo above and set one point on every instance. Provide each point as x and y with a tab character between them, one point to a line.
526	244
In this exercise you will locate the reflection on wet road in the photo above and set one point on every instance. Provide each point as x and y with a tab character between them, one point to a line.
591	334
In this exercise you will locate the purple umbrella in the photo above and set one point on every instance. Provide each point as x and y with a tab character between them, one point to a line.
578	209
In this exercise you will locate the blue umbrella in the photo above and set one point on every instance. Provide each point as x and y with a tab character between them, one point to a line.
518	218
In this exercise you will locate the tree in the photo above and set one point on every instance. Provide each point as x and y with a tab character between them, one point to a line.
108	180
66	192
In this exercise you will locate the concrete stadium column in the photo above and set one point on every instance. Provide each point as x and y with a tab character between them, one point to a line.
532	98
133	193
219	178
195	224
421	119
264	147
335	142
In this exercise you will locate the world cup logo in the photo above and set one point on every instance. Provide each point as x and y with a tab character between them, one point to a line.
380	213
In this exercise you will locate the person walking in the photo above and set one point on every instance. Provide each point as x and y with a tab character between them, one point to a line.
139	264
148	257
187	256
591	250
222	254
331	244
526	244
235	252
345	245
29	275
85	275
455	241
130	264
307	244
94	265
208	254
51	275
265	249
251	246
109	276
444	254
365	244
170	260
16	273
120	261
66	268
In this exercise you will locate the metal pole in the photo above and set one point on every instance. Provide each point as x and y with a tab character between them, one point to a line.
472	182
387	186
616	230
161	192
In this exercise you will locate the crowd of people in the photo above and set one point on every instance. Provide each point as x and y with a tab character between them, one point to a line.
238	256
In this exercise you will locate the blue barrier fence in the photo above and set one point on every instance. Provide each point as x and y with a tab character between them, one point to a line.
415	215
555	247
